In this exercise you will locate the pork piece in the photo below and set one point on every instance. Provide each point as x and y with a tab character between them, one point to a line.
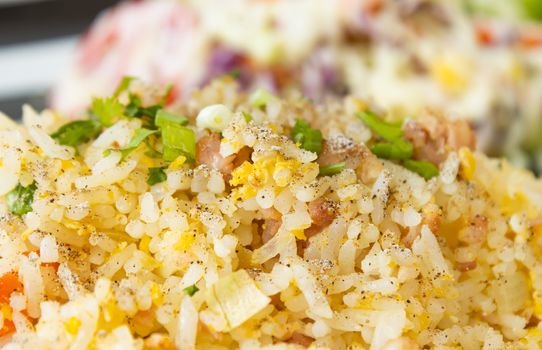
208	152
271	225
300	339
341	149
355	156
322	213
466	266
475	232
434	137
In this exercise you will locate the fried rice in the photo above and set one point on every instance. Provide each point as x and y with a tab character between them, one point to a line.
247	221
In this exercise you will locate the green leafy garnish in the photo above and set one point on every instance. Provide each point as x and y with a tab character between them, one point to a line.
331	169
139	136
19	200
165	95
398	150
388	131
261	97
309	138
135	110
178	140
235	73
423	168
156	175
107	109
533	9
163	117
247	117
151	152
191	290
75	133
123	85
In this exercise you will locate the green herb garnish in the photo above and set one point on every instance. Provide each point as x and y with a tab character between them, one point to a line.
78	132
151	152
191	290
107	109
388	131
261	97
533	9
235	73
139	136
19	200
423	168
163	117
247	117
156	175
178	140
123	85
398	150
309	138
135	110
331	169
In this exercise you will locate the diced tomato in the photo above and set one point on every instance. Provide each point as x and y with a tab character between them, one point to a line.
172	94
54	265
484	34
372	7
7	328
530	39
9	283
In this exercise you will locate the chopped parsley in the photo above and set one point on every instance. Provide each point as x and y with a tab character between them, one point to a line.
77	132
309	138
178	140
107	110
332	169
388	131
139	136
191	290
19	200
423	168
163	117
123	85
398	149
156	175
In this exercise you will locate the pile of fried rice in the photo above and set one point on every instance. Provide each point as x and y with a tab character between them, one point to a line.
246	221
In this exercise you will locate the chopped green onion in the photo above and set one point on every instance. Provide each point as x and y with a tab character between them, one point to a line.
235	73
191	290
387	131
309	138
178	140
331	169
163	117
533	9
247	117
151	152
399	150
139	136
156	175
260	98
134	109
123	85
165	96
19	200
423	168
107	109
75	133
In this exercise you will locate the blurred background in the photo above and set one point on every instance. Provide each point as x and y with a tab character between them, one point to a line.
37	40
479	60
